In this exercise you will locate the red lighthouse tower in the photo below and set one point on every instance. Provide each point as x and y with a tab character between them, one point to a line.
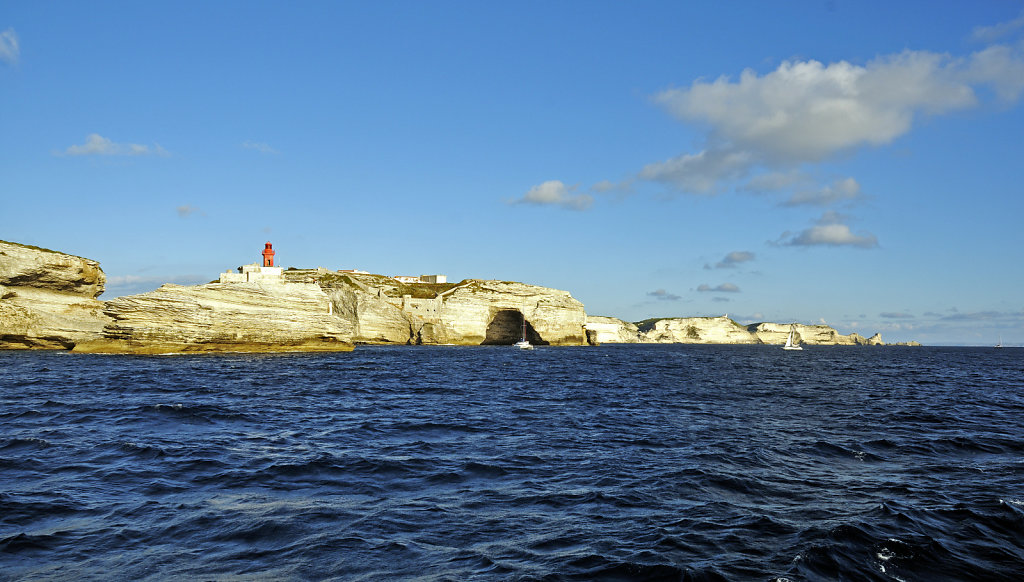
268	256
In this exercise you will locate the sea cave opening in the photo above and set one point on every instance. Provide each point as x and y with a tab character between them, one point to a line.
507	327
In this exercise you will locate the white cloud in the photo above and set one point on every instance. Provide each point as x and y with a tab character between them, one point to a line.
723	288
10	50
555	193
829	231
97	145
262	147
805	112
846	189
732	260
1002	68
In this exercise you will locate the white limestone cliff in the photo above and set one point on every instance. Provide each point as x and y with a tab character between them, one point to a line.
776	333
611	330
48	299
242	317
492	312
697	330
473	312
718	330
373	319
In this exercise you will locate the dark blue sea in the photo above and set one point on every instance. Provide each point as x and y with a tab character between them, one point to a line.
656	462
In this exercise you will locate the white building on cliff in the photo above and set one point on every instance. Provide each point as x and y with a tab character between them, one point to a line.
255	272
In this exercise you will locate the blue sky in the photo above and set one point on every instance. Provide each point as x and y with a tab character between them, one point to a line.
853	163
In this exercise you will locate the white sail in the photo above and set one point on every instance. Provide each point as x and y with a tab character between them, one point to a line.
790	344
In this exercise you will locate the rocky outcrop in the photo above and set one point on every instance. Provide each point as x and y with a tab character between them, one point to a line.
48	299
610	330
718	330
821	335
493	312
373	319
697	330
237	317
473	312
37	268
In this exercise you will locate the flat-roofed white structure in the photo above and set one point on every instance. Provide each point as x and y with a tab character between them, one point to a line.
253	273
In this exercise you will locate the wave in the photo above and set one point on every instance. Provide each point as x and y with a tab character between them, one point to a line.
193	413
23	445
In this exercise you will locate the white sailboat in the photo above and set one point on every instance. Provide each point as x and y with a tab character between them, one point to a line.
522	343
1000	344
790	344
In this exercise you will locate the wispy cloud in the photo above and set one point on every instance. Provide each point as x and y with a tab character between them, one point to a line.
895	315
845	190
187	210
618	190
733	260
10	49
776	181
97	145
830	230
723	288
996	32
985	316
701	173
259	146
662	295
555	193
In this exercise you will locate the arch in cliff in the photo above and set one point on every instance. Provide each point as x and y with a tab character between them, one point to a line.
506	328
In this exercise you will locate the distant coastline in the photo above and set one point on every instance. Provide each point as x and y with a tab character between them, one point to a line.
49	300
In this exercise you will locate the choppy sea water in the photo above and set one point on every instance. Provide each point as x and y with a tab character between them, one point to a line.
446	463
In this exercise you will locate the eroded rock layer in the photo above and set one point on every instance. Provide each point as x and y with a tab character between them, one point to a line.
48	299
243	317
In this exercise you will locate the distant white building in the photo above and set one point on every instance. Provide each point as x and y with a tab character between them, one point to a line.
421	279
